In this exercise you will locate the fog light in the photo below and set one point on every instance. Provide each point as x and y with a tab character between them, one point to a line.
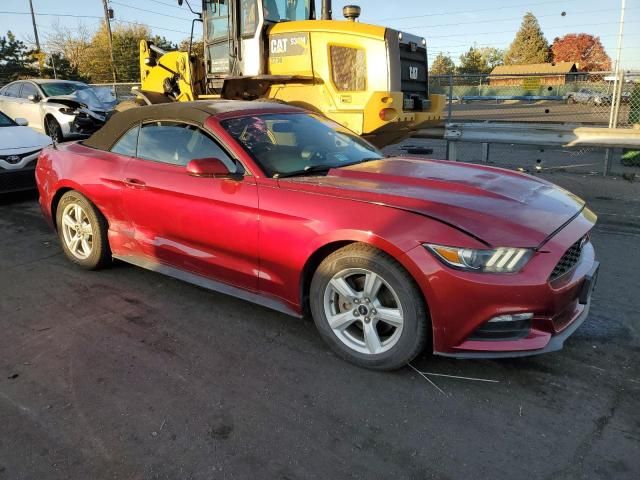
514	317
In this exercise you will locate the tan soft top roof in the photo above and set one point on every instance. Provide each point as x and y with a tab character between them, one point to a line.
192	112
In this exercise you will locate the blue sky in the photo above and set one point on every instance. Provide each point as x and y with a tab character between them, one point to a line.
449	27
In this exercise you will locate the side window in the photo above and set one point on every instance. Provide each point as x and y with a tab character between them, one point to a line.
13	90
28	89
127	143
249	18
178	143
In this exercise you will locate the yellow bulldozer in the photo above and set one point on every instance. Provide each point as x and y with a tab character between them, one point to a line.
371	79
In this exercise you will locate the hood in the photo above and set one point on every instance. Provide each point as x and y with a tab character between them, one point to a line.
80	97
500	207
15	139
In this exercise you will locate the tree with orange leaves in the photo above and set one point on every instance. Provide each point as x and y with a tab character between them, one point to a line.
585	50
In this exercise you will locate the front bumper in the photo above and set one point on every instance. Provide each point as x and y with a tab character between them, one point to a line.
461	302
17	180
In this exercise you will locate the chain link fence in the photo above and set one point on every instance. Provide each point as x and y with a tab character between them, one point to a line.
582	99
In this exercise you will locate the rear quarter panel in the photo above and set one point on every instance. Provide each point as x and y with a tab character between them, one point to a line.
96	174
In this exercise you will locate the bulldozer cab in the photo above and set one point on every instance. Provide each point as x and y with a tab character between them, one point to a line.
235	33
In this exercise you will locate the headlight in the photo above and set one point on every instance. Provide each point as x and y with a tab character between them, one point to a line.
68	111
497	260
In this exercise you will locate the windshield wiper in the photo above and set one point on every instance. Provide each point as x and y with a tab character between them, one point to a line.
306	171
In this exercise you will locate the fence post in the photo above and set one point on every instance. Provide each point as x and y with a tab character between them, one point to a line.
450	97
452	151
485	152
616	113
608	155
450	147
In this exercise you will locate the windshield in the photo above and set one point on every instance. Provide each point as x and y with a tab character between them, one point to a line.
6	121
287	144
286	10
84	92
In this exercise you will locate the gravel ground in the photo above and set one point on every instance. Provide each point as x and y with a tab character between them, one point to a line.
126	374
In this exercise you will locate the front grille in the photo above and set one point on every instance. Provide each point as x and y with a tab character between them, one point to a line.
569	259
13	159
413	77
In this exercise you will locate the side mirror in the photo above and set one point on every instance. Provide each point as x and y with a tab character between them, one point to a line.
22	122
33	98
209	167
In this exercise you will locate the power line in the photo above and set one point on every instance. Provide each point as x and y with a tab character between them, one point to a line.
149	11
555	2
494	20
153	27
512	31
51	14
166	4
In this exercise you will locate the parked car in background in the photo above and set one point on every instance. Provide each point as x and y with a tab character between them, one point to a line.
19	149
285	208
61	109
590	97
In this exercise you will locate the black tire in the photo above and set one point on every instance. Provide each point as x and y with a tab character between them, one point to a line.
571	100
415	331
100	252
52	127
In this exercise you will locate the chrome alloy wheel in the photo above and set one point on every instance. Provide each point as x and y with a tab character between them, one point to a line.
77	231
363	311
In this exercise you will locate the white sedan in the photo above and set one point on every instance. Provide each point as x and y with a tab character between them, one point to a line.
62	109
19	150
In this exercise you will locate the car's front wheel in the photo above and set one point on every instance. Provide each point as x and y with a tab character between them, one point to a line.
368	308
83	231
53	129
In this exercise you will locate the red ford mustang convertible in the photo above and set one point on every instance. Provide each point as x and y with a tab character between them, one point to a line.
289	210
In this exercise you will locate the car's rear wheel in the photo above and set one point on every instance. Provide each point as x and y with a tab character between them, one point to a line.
368	308
53	129
82	231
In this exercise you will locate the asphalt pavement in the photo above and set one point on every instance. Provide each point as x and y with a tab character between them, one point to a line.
127	374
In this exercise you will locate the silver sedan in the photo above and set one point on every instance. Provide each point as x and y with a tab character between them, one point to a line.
62	109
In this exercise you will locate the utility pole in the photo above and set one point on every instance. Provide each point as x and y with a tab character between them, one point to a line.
39	55
35	28
617	84
107	18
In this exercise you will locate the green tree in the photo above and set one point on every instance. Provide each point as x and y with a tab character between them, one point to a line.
197	48
58	66
442	65
164	43
529	45
473	62
126	53
16	60
492	56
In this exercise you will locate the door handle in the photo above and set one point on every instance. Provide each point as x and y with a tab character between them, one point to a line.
134	183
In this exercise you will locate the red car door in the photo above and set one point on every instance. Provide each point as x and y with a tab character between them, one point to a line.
207	226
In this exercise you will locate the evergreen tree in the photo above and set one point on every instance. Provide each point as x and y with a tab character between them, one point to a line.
442	65
16	60
529	46
473	62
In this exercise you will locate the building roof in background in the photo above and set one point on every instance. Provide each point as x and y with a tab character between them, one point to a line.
559	68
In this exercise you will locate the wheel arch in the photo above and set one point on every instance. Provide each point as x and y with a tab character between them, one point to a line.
55	201
322	252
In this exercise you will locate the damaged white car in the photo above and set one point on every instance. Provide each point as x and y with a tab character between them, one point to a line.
62	109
